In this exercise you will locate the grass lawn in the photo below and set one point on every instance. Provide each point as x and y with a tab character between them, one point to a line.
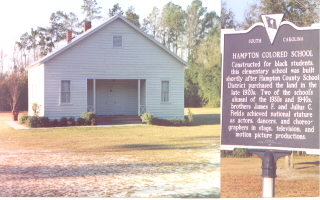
123	140
146	144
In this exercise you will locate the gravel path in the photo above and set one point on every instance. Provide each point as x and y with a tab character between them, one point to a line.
101	174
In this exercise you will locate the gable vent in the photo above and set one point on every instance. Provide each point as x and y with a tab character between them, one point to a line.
117	41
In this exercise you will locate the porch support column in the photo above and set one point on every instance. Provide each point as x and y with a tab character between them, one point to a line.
139	110
94	96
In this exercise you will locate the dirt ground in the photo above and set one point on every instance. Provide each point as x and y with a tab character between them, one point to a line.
37	170
46	174
241	178
75	175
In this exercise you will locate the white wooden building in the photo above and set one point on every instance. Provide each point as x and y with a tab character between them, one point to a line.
113	69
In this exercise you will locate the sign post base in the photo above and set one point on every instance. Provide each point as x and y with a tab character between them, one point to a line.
268	187
269	167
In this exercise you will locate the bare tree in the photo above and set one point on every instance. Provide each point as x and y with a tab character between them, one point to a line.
151	23
24	46
14	86
2	56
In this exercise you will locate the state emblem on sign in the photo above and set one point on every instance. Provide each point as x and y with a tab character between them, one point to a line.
272	23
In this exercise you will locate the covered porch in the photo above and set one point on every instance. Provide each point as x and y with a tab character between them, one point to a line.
110	97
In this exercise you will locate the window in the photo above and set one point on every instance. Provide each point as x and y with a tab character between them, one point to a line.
164	91
65	91
117	41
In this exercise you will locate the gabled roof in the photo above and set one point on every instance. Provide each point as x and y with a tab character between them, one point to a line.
93	30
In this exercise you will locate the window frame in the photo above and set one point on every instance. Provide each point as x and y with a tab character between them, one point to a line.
115	36
67	97
165	95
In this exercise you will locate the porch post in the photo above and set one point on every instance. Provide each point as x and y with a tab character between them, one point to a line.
94	96
139	111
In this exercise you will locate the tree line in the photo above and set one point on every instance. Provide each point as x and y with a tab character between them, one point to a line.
302	13
193	34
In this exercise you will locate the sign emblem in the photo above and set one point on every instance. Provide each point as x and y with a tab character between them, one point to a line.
272	23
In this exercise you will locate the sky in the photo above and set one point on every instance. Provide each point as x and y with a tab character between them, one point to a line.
19	16
238	7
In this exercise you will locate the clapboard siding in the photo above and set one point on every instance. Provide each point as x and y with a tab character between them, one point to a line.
95	58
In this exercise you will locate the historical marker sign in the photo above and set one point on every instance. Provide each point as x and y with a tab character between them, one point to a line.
271	82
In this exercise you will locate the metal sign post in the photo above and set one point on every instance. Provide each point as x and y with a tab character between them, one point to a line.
269	167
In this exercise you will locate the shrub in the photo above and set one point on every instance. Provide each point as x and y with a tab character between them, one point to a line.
88	116
23	119
240	153
71	121
43	122
32	121
93	121
35	121
190	116
80	121
36	108
179	122
147	118
54	123
160	122
170	122
63	121
225	153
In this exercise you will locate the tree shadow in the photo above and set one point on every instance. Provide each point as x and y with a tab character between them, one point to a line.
205	119
131	147
207	137
311	164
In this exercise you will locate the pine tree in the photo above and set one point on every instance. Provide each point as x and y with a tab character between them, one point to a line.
173	21
132	16
301	13
91	9
227	17
195	13
116	10
151	23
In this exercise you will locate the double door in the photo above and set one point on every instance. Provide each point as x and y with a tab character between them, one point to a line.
117	97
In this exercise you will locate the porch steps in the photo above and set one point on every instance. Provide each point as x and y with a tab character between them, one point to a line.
118	119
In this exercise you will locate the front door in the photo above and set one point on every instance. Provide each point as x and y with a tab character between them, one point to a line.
110	100
117	97
102	97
